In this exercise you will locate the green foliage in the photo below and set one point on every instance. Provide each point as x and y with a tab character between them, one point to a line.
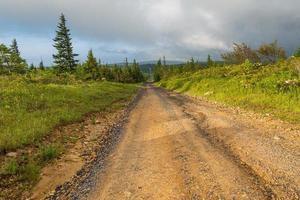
14	47
161	72
10	167
50	152
272	89
32	67
30	171
32	105
266	53
91	66
10	59
297	52
240	53
271	53
41	65
64	59
25	169
210	62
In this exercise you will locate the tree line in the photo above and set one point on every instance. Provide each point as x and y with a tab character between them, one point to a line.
65	61
266	53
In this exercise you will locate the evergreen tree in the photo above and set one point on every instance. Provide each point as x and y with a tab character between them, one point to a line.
210	62
192	64
41	65
297	52
14	47
164	61
17	63
32	67
126	62
64	59
4	59
91	65
157	71
159	62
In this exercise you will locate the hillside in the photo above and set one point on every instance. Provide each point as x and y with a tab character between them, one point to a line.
273	89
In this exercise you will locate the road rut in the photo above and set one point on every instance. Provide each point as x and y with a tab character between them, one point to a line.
169	152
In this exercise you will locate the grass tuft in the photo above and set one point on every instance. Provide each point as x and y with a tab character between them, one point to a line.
50	152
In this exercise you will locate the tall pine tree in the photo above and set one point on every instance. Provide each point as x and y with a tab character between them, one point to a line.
64	59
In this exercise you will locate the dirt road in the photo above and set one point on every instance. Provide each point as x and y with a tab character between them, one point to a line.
174	147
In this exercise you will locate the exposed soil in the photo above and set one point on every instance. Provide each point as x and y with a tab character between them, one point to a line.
94	129
178	147
80	141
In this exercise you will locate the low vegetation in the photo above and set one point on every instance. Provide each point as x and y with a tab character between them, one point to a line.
272	88
32	106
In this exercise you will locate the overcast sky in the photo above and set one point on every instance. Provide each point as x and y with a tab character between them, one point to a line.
149	29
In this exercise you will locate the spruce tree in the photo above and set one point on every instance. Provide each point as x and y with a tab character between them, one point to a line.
17	63
91	64
32	67
134	62
158	62
126	62
192	64
4	57
209	61
14	47
41	65
64	59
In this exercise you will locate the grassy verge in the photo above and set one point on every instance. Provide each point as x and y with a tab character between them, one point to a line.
31	107
272	89
29	110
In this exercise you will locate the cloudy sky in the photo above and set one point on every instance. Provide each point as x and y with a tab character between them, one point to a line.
148	29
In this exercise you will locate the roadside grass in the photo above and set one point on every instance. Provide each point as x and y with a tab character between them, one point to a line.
23	168
30	107
50	152
272	89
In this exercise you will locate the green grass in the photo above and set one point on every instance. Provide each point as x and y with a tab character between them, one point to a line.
29	171
50	152
30	107
272	89
10	167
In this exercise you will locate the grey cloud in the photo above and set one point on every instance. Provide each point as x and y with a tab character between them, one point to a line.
146	29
